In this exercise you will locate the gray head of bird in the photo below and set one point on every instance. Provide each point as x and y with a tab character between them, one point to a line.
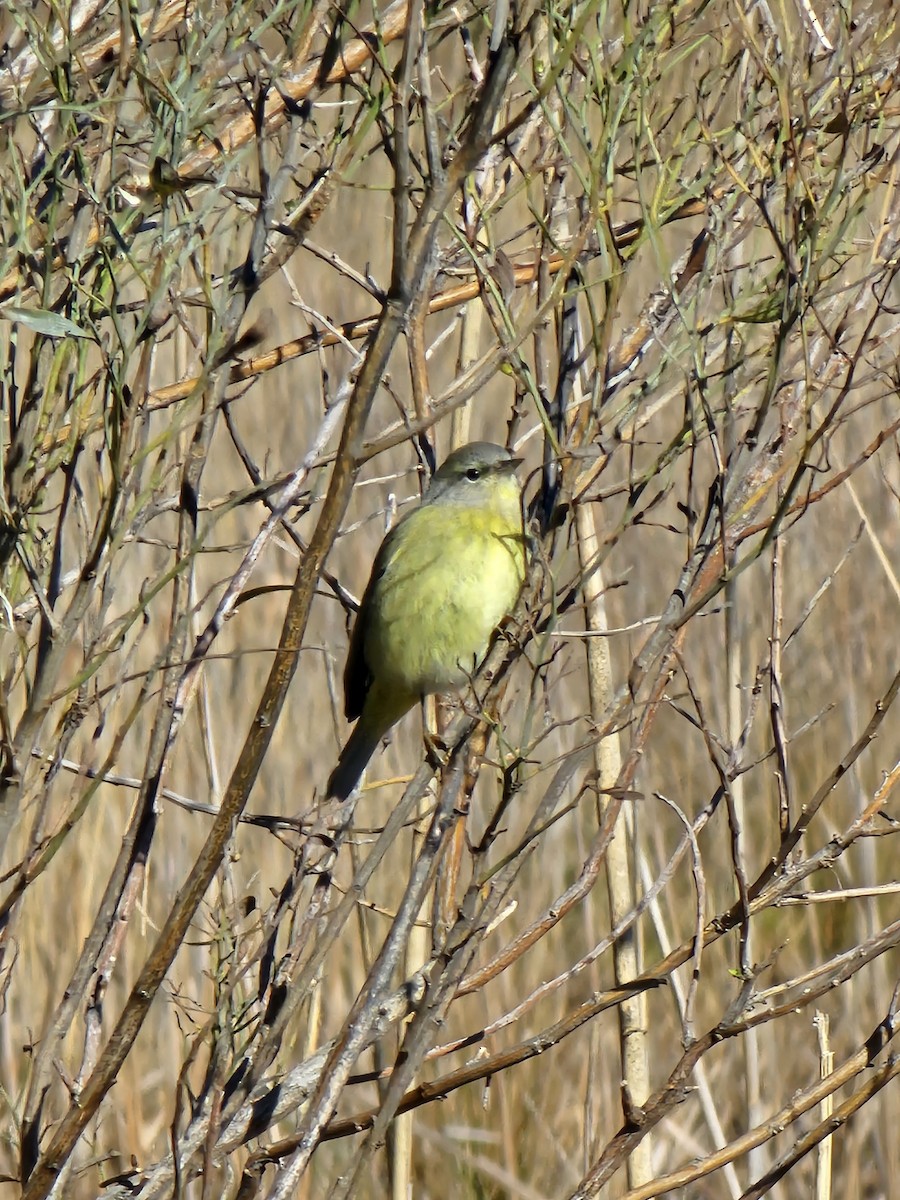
469	473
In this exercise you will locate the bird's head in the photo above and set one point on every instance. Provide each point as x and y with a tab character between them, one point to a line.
480	473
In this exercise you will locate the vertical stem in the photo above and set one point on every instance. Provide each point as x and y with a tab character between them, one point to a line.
757	1158
619	875
401	1129
826	1066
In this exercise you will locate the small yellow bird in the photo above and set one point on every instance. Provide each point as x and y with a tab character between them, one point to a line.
445	577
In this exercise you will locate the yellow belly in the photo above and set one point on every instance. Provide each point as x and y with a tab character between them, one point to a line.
451	577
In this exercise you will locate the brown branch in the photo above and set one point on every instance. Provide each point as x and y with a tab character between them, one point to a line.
801	1102
674	1091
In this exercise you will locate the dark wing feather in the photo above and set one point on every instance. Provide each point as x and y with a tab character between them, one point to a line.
357	676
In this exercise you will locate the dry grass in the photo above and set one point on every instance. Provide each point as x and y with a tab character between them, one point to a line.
654	248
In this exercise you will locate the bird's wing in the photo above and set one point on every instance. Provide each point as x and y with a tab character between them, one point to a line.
357	676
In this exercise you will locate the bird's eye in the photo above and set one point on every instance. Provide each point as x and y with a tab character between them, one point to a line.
473	473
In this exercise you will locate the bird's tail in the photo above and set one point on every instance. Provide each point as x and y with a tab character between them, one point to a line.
384	706
359	748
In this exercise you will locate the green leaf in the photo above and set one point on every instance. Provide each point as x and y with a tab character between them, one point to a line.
41	320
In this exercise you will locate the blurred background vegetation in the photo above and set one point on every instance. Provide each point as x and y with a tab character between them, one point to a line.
261	265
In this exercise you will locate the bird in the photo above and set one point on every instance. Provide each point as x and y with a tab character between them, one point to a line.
444	578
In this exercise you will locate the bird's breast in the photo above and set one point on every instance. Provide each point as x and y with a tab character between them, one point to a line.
449	580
